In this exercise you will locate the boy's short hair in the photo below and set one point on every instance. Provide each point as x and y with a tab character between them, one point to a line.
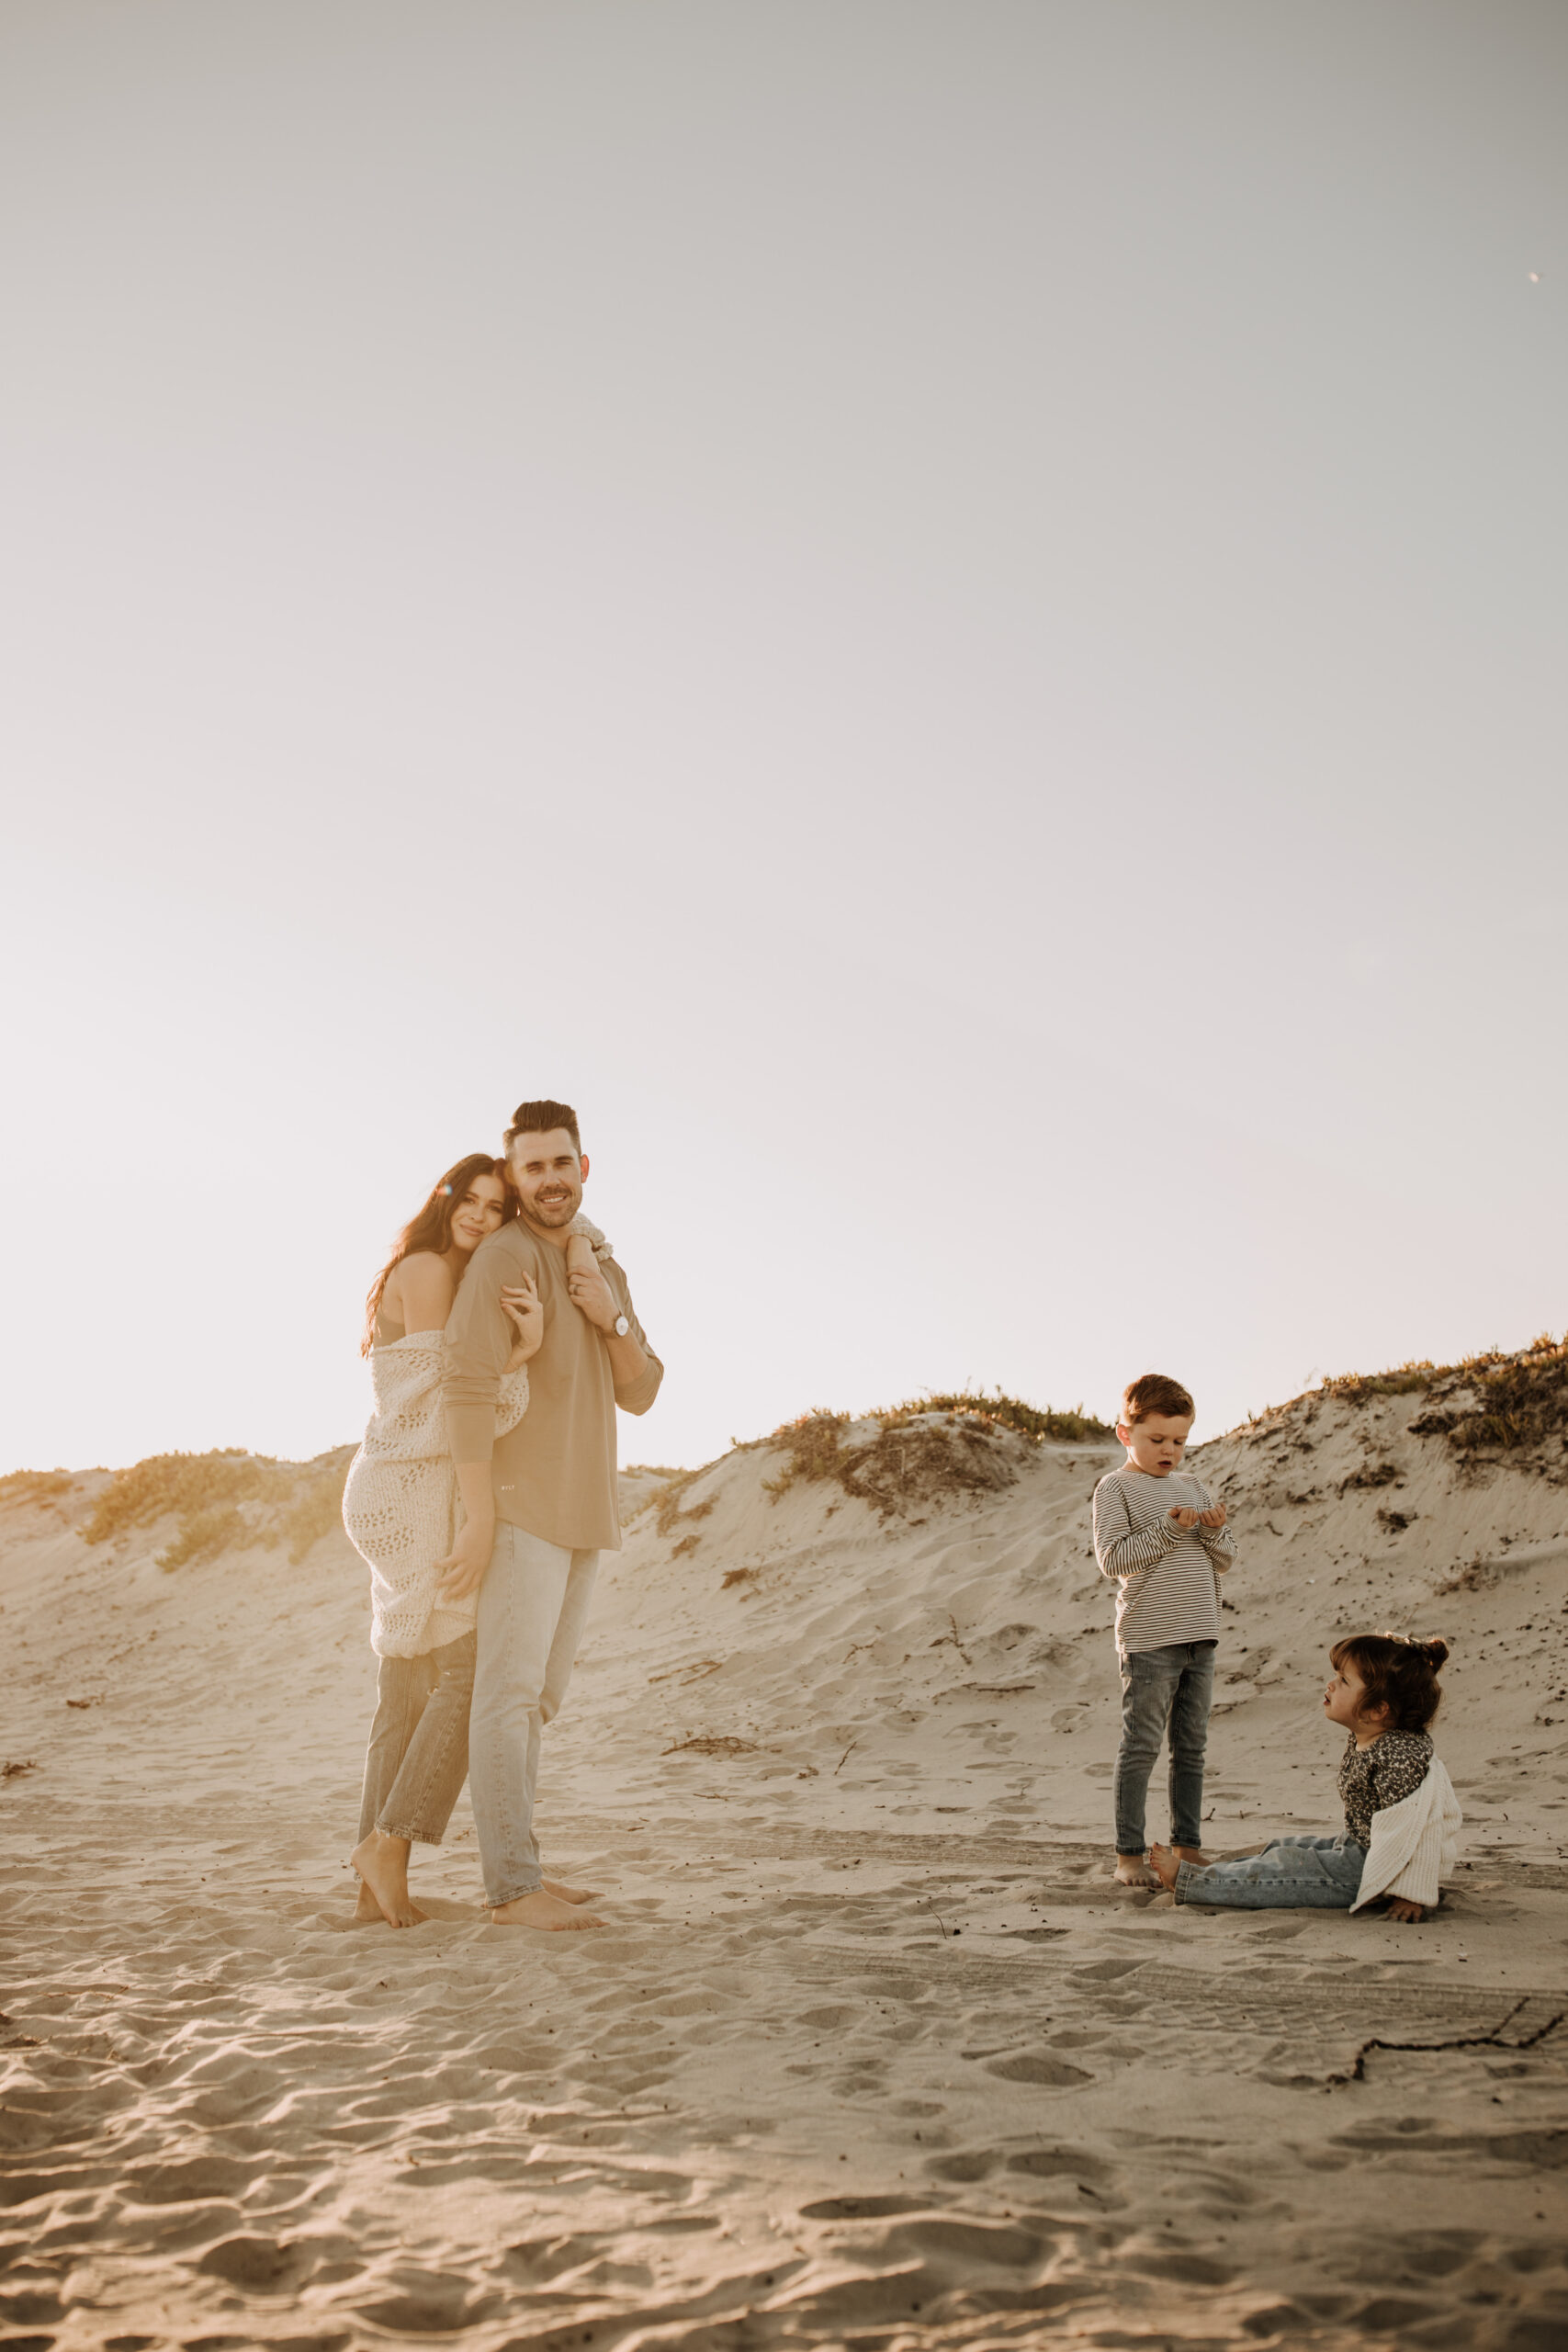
1155	1393
542	1119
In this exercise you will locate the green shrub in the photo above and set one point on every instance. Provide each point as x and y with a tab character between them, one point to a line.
1521	1397
925	1450
33	1486
1036	1422
812	1444
666	1500
1357	1386
223	1501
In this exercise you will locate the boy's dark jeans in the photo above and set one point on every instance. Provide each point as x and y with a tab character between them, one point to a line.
1159	1687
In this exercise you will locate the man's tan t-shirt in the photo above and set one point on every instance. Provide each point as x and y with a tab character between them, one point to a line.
553	1475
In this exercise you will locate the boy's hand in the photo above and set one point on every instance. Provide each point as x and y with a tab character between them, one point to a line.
1214	1517
1412	1912
1183	1515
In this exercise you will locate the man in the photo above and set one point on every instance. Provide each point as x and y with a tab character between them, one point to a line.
539	1503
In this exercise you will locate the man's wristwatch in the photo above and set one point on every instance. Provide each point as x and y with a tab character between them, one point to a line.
620	1328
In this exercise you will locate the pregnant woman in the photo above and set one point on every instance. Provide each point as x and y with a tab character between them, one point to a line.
400	1509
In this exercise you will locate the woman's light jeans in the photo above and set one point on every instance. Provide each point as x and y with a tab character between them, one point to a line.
1290	1875
532	1607
418	1756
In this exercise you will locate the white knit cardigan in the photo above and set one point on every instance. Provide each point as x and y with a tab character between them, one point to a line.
400	1504
1415	1843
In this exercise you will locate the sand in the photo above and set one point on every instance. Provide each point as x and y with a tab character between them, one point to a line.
872	2053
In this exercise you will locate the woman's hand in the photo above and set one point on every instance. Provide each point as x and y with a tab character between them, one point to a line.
463	1570
592	1296
522	1302
1414	1912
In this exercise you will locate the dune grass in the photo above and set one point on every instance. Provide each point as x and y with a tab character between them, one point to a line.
924	1450
1519	1398
34	1486
1038	1423
223	1501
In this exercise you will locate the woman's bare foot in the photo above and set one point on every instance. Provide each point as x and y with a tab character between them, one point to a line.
1164	1862
542	1910
366	1909
383	1864
1133	1871
1193	1854
568	1893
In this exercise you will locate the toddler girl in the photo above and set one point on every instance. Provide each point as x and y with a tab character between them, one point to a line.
1399	1811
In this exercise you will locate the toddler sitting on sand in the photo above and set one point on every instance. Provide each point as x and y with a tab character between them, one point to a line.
1401	1815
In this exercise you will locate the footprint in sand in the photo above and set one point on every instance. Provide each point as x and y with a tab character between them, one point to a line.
264	2265
1033	2066
966	2166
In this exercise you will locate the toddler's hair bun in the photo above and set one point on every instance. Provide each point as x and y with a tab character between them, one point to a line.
1437	1650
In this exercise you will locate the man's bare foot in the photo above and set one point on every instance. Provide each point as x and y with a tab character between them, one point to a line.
383	1864
1164	1862
1133	1871
542	1910
568	1893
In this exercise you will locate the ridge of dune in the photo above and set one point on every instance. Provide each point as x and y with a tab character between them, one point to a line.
871	2051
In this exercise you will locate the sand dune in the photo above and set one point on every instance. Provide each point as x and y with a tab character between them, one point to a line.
872	2054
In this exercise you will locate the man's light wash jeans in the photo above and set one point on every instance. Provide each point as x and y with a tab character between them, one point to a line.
532	1606
1170	1686
1290	1875
418	1754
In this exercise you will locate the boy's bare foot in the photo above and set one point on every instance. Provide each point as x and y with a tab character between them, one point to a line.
568	1893
1133	1871
1164	1862
383	1864
542	1910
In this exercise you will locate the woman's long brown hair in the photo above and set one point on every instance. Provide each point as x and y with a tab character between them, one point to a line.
432	1228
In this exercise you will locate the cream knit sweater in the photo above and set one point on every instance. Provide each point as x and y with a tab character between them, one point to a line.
400	1504
1413	1843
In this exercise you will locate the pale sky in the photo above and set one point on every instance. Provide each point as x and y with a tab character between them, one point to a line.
949	618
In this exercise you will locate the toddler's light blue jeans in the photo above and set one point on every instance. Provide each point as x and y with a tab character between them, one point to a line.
532	1607
1290	1875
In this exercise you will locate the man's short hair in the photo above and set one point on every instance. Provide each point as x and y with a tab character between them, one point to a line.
1155	1393
539	1118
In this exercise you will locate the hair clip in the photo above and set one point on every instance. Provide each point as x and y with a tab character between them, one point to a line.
446	1190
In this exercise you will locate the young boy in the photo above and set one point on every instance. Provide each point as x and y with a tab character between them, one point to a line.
1161	1539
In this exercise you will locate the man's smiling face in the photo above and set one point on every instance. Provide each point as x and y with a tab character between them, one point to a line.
548	1176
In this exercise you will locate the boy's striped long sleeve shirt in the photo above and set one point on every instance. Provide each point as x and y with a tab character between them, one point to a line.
1166	1576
